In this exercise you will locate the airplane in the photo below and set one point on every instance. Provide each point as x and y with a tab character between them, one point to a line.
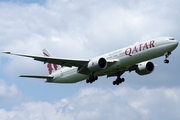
116	63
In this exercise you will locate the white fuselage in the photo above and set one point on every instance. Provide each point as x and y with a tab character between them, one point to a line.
124	57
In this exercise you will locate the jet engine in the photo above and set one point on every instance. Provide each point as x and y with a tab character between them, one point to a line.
97	64
145	68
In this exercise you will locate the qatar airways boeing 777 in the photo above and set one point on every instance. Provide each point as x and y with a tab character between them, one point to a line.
131	58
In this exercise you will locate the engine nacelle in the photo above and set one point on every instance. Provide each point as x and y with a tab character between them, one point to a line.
145	68
97	64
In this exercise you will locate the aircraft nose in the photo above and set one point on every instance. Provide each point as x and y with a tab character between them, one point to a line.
173	44
176	43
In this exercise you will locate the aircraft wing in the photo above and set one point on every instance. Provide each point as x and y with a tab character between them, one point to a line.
35	76
54	60
121	71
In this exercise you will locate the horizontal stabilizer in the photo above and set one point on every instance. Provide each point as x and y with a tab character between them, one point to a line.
35	76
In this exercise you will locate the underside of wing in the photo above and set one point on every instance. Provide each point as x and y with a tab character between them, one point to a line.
120	71
117	73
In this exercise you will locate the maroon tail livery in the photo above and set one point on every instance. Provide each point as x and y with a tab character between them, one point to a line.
51	67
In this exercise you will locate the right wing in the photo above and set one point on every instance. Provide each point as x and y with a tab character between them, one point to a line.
121	71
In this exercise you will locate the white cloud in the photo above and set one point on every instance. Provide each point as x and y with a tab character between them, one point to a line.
83	26
10	94
93	103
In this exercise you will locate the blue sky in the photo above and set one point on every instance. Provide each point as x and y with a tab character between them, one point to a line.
85	29
25	1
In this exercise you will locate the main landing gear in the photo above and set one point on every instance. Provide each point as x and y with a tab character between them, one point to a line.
166	56
118	80
91	79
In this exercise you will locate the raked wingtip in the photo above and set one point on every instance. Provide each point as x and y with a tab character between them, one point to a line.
6	52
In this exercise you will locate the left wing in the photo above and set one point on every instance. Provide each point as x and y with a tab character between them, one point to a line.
36	76
54	60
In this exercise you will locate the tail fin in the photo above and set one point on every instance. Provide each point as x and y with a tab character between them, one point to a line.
51	67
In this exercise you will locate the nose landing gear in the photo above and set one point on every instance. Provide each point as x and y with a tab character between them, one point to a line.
166	61
166	56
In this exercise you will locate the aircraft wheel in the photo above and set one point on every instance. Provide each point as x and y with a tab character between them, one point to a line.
114	82
123	79
166	61
117	83
91	81
87	81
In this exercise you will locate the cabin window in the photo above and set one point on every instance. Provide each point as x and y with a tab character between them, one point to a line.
171	39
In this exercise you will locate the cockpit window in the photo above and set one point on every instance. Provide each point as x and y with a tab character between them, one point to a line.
171	39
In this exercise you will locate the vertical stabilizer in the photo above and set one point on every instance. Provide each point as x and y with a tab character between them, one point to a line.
51	67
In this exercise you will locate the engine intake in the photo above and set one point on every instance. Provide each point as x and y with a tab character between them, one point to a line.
97	64
145	68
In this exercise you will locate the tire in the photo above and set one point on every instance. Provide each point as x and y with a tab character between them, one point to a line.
87	81
114	82
166	61
123	79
